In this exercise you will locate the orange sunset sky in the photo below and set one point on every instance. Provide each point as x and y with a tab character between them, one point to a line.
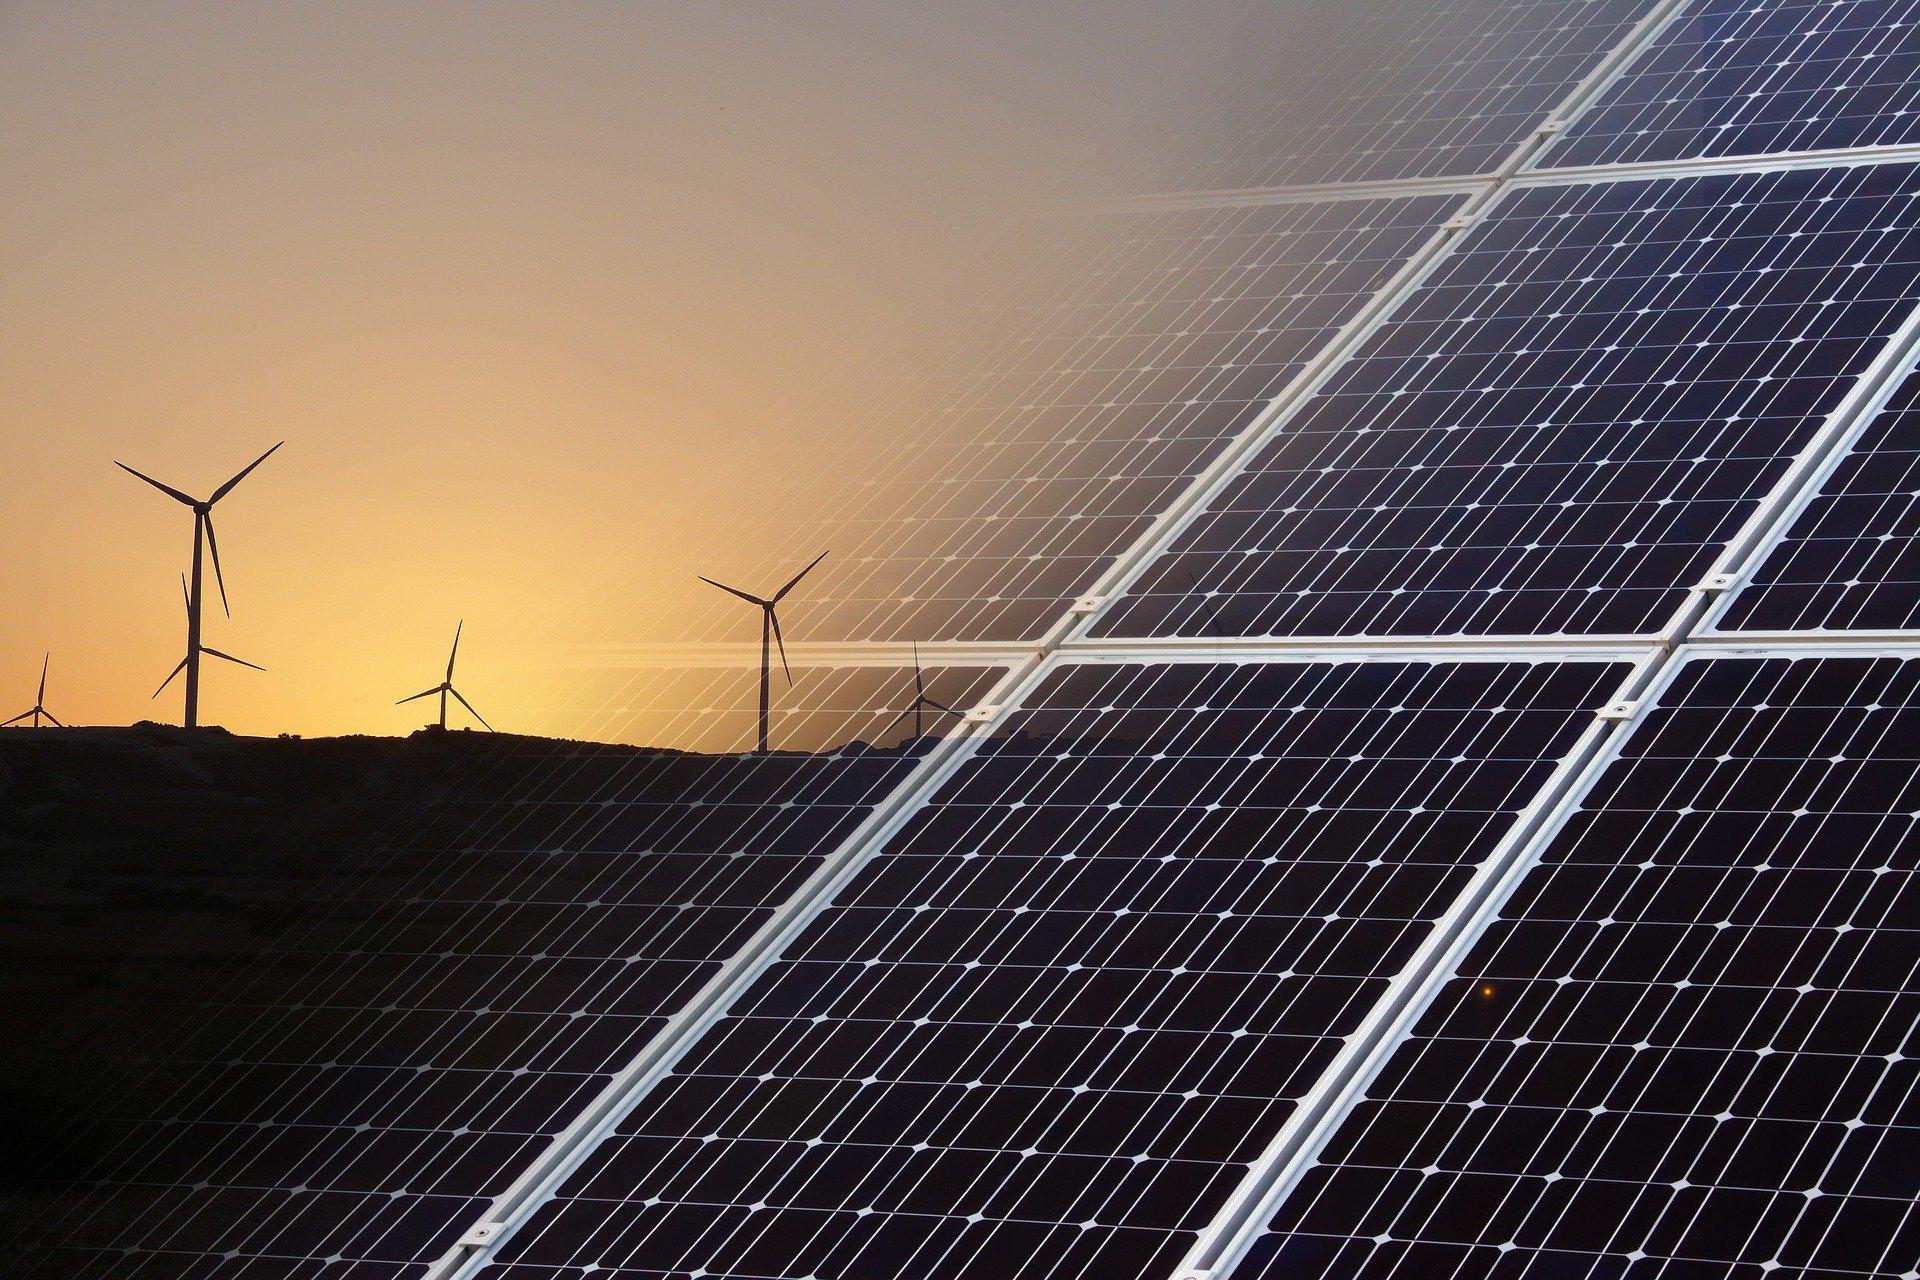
524	287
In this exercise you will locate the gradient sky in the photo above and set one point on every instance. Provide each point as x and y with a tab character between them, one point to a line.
516	283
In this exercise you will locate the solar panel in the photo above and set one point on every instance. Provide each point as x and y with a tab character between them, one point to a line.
521	925
1036	439
1381	90
1561	427
1851	558
1049	1023
1686	1046
1754	79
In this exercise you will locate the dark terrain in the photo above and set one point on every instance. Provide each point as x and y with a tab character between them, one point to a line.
161	887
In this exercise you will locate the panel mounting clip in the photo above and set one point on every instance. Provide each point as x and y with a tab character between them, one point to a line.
983	713
1621	710
1717	582
481	1234
1086	604
1458	222
1550	127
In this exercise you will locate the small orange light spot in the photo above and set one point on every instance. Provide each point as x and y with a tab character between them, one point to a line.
1486	992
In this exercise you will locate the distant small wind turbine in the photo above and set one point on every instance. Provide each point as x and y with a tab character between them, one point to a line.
445	687
202	533
920	701
190	663
39	702
769	636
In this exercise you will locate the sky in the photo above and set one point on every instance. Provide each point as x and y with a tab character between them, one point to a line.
516	283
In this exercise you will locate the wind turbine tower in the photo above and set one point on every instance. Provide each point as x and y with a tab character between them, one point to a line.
769	636
39	702
202	536
445	687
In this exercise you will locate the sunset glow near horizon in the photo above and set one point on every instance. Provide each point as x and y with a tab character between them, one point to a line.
532	294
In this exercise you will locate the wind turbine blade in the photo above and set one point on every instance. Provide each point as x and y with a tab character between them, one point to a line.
455	651
783	646
169	680
896	720
49	715
230	658
417	696
941	706
919	681
17	719
793	582
186	596
167	489
755	600
227	488
213	545
43	678
469	706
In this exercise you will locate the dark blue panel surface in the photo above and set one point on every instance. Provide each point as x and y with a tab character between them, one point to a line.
1563	425
1851	559
1730	78
1686	1048
1049	1025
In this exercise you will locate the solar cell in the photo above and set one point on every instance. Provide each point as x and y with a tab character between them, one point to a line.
1752	79
1851	558
1381	90
1686	1047
1559	429
1036	438
1047	1025
524	918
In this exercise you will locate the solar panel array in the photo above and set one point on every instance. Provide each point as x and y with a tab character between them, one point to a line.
1760	79
1686	1046
1388	860
1055	1017
1560	429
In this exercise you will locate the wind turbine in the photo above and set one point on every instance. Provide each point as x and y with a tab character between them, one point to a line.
39	702
920	701
190	663
769	635
445	687
202	533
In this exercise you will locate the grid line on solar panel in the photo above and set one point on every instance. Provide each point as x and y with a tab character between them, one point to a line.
1562	425
504	949
1052	1020
992	482
1848	558
1384	91
1759	79
1686	1046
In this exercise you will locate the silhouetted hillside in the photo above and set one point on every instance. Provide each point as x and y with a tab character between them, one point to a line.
164	888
